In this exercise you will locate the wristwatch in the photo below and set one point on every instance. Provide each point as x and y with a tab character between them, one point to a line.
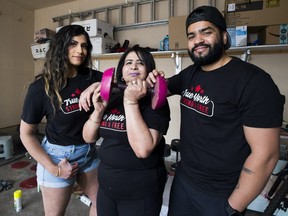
232	212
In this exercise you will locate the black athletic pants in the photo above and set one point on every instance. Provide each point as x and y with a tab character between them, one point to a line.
148	206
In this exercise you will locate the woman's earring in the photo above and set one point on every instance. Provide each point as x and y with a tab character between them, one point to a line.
122	79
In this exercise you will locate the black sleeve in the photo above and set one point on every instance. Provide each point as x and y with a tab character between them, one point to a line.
262	104
157	119
96	76
35	103
177	83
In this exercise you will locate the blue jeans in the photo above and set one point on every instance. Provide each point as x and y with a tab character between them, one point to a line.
85	155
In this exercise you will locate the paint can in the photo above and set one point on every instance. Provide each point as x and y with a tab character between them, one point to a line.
18	200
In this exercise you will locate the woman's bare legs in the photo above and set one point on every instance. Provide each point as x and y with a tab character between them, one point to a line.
89	184
56	200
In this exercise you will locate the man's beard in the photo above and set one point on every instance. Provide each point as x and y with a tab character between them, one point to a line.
213	55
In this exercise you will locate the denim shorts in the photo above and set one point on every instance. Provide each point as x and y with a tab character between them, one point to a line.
85	155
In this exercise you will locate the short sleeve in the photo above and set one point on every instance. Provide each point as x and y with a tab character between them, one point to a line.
157	119
177	83
262	104
34	105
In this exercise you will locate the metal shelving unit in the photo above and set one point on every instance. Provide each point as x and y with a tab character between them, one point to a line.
177	55
261	49
121	10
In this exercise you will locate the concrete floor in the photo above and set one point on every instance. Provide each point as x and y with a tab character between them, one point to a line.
31	199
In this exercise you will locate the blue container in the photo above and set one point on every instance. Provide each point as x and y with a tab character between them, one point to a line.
164	44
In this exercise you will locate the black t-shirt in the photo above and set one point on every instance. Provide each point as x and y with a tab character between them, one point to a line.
215	106
121	173
64	127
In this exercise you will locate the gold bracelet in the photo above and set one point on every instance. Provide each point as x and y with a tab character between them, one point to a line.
58	171
128	102
95	122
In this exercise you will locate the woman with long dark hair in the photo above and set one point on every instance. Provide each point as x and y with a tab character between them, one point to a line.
63	156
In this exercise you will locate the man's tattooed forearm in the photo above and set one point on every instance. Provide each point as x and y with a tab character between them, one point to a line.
246	170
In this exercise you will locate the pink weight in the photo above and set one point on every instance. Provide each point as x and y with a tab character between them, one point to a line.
160	93
106	83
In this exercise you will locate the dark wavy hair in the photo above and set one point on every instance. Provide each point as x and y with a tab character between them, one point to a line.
143	54
57	66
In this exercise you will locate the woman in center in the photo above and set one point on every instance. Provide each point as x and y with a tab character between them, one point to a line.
132	173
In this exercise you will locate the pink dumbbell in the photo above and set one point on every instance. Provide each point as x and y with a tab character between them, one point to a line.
158	93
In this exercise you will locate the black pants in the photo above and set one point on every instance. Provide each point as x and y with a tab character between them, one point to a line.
188	201
148	206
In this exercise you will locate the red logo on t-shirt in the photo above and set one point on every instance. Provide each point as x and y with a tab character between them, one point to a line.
71	104
114	120
196	99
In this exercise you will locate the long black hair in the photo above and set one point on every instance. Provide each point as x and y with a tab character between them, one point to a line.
57	65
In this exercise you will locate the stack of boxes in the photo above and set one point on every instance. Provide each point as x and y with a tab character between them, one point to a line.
250	22
101	35
177	33
263	19
41	42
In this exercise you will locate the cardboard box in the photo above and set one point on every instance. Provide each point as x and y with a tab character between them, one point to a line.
272	34
102	45
269	35
39	50
177	33
255	12
96	27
